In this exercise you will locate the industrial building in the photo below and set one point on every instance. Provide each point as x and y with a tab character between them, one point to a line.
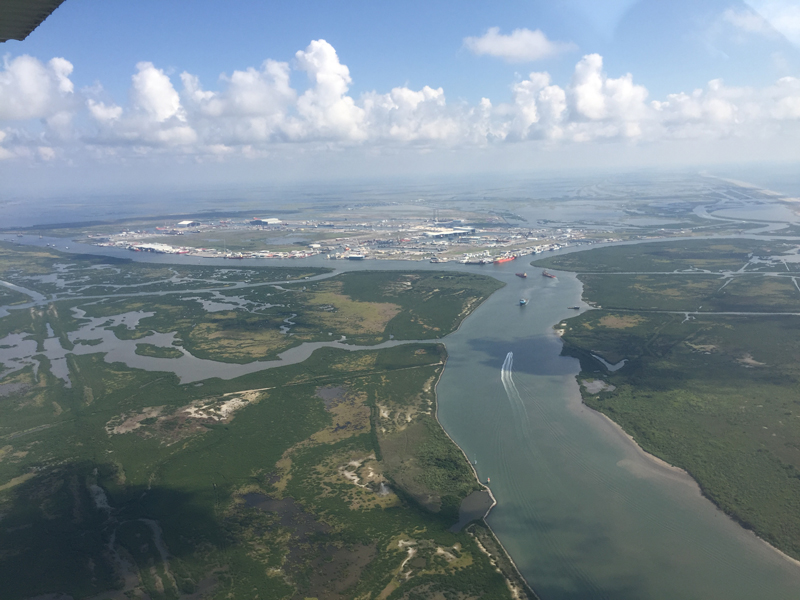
268	221
448	233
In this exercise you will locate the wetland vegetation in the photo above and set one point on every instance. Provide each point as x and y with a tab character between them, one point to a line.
239	315
157	351
329	478
715	394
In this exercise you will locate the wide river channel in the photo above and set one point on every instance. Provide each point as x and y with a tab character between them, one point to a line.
583	512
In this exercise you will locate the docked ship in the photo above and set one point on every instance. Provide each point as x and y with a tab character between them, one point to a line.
550	275
523	275
504	259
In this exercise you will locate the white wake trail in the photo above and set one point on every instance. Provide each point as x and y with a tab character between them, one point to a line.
517	405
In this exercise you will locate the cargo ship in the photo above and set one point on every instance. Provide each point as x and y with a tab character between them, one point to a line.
504	259
523	275
550	275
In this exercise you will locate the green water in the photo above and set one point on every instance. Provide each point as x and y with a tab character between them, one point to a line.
582	511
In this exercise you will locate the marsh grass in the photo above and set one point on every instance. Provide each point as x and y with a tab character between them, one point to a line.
128	437
712	255
714	394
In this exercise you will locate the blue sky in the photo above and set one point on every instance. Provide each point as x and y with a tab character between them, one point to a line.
132	86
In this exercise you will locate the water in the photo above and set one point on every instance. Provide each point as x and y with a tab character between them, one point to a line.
760	212
473	507
16	352
583	512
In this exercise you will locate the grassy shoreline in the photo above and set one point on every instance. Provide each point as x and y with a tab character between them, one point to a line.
712	394
292	480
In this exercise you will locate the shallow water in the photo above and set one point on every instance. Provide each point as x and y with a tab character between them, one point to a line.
473	507
16	352
760	212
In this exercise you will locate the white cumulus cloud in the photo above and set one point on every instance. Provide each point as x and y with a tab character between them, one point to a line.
326	109
30	89
156	117
595	96
256	111
408	115
252	106
538	108
521	45
152	93
102	112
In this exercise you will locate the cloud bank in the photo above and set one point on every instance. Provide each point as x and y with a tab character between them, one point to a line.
257	110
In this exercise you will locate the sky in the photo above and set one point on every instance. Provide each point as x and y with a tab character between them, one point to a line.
109	94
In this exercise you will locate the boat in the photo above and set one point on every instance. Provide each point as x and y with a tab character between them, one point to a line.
439	259
550	275
504	259
356	257
574	307
523	301
523	275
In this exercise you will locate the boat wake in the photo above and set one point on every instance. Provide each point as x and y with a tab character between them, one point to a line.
517	405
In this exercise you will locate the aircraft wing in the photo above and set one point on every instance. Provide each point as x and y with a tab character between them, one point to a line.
18	18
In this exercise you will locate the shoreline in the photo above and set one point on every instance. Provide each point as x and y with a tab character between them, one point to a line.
676	471
485	487
789	199
667	469
684	476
